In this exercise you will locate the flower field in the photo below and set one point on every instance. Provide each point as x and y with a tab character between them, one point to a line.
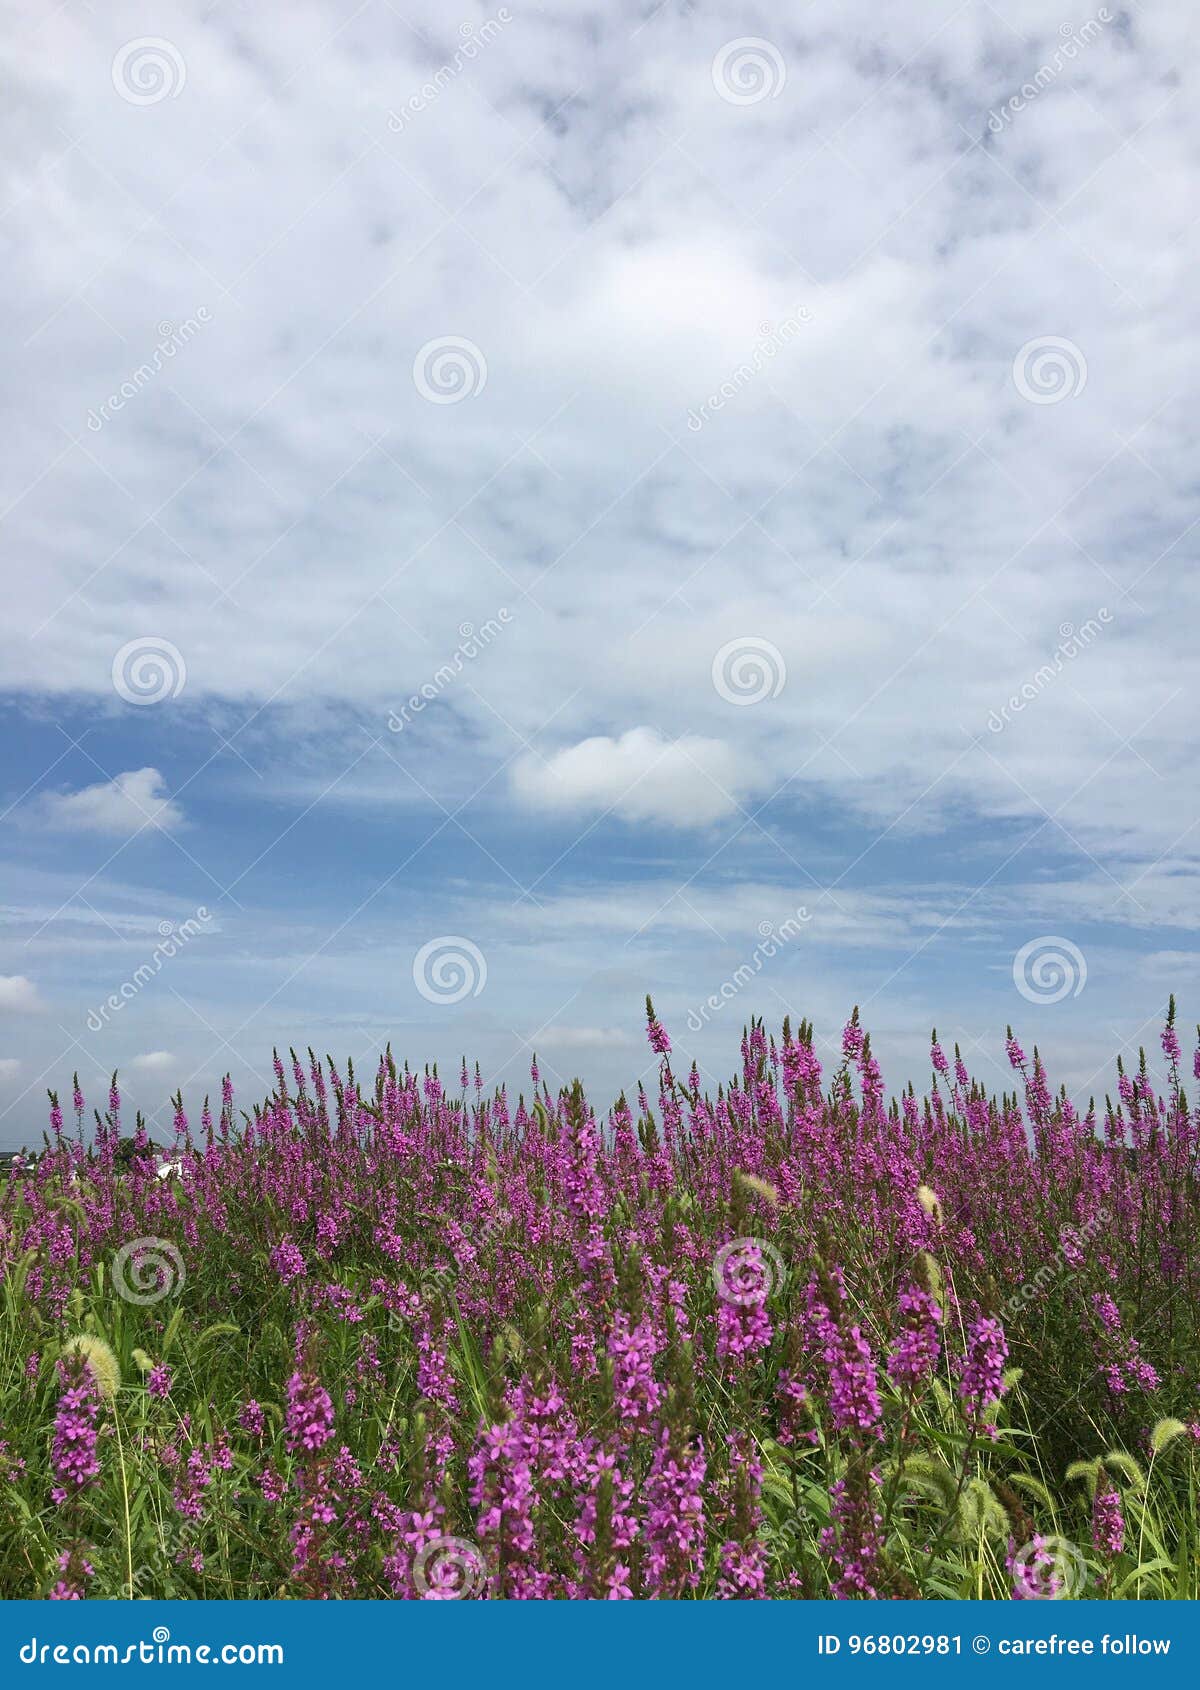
784	1338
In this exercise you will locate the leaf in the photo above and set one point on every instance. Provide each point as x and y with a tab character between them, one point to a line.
1182	1572
1160	1564
472	1364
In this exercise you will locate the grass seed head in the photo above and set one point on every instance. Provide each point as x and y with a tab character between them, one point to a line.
100	1357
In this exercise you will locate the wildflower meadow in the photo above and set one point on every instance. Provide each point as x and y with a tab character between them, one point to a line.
396	1336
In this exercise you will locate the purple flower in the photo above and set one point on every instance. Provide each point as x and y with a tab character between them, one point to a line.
287	1261
743	1573
632	1352
1108	1520
982	1379
656	1032
673	1498
251	1419
919	1344
853	1388
73	1453
1036	1571
853	1539
743	1332
309	1413
75	1569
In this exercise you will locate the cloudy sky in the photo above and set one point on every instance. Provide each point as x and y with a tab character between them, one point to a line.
510	508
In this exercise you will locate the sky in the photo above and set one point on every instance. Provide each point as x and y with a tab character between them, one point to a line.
511	508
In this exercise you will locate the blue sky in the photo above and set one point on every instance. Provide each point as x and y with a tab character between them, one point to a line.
712	419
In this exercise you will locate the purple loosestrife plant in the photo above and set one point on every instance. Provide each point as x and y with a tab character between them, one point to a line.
919	1344
437	1314
981	1384
75	1466
1108	1520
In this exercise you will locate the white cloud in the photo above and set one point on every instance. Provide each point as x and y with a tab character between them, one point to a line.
583	1038
877	499
154	1061
122	806
10	1067
19	995
878	489
687	782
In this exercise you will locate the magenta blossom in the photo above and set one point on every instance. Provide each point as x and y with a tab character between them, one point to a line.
309	1413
